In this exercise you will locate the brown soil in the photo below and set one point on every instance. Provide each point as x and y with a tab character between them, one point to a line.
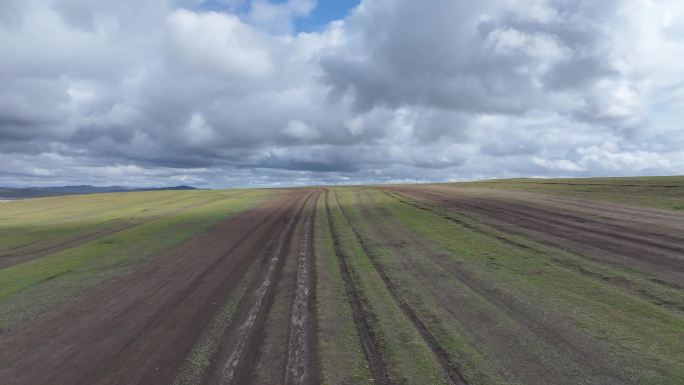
138	327
644	240
301	363
241	347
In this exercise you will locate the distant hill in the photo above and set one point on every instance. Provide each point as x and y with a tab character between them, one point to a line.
37	192
183	187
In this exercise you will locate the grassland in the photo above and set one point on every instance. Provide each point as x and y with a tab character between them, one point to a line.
663	192
407	357
138	225
504	308
551	305
569	281
341	356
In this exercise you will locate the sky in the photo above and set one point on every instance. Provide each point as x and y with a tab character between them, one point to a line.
247	93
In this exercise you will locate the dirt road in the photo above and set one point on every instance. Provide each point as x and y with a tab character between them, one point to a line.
259	267
138	327
255	349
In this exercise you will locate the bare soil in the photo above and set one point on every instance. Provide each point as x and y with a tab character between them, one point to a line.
302	366
649	241
138	327
247	342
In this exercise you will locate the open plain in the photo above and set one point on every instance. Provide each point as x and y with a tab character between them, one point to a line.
573	281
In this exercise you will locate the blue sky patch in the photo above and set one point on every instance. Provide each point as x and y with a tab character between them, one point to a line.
324	13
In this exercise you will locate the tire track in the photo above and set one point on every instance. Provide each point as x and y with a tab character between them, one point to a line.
583	350
403	199
193	285
606	210
301	362
567	221
161	315
614	281
362	318
235	363
449	367
668	242
623	246
138	327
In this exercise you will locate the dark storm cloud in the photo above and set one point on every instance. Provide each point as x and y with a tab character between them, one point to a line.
224	93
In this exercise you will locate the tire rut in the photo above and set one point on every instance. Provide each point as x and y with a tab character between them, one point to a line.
623	246
403	199
549	331
301	366
137	327
554	218
443	357
614	281
606	210
235	361
363	319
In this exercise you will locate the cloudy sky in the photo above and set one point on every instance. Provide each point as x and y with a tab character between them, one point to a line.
226	93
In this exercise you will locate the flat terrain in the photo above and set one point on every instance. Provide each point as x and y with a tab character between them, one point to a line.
573	281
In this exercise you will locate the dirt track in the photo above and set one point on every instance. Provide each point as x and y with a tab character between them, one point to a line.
138	327
301	366
450	368
241	351
455	290
645	240
362	318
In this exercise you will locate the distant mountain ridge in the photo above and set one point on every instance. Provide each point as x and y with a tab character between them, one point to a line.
37	192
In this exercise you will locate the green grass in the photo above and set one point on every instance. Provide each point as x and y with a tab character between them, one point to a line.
29	287
407	355
478	290
32	224
645	339
340	355
663	192
423	283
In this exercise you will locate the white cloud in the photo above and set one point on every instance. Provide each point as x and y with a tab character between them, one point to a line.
278	17
300	130
609	156
198	131
563	165
162	91
219	42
